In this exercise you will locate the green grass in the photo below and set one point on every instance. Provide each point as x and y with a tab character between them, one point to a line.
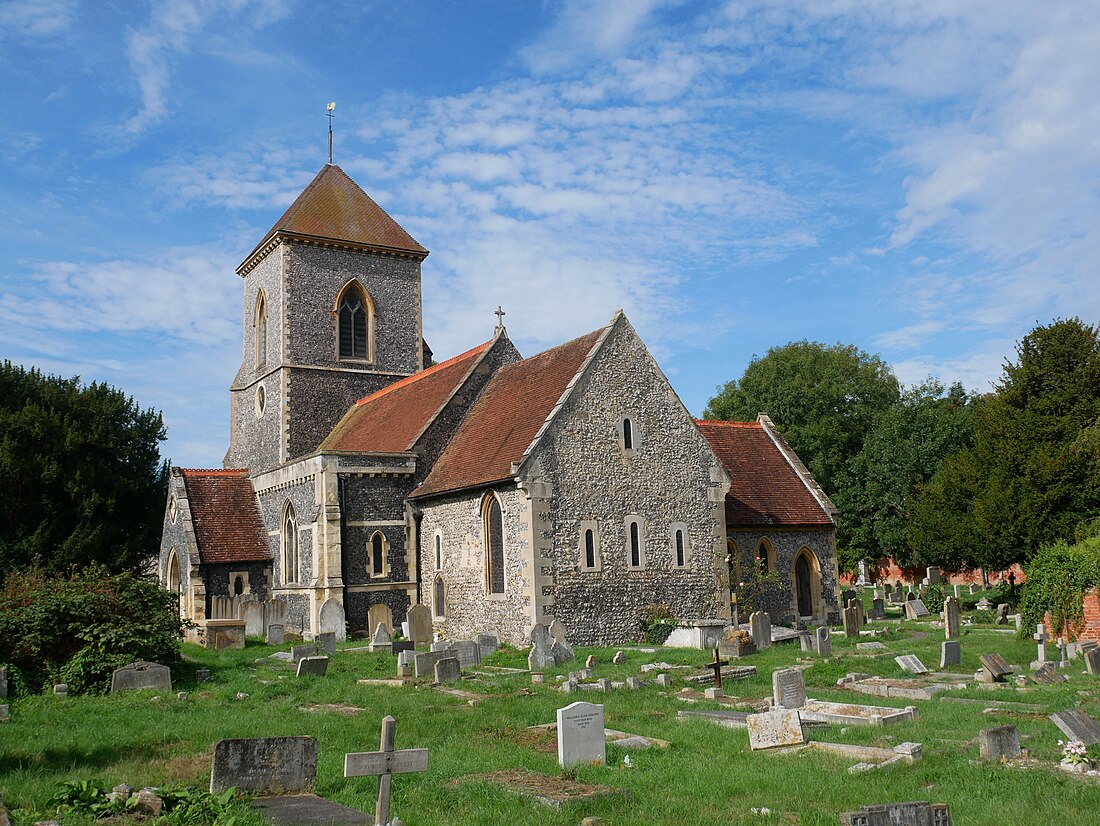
709	776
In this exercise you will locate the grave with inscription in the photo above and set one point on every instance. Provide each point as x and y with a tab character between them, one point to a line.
911	663
264	765
381	641
916	813
1047	674
772	729
824	643
994	668
420	624
951	618
760	629
950	653
1077	725
915	609
788	688
327	642
141	675
581	735
1000	743
448	670
312	667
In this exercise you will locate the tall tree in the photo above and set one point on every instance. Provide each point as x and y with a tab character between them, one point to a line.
824	400
81	479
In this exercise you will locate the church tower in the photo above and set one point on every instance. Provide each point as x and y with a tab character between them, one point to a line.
332	313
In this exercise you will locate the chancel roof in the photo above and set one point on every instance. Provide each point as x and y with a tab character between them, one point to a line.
225	516
391	420
507	417
334	208
765	489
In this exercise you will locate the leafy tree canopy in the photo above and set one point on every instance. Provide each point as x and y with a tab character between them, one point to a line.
81	479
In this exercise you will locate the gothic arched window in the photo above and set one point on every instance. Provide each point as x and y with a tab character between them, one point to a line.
261	330
377	554
354	312
440	598
493	527
289	539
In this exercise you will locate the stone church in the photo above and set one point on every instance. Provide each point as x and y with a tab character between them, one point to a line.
500	491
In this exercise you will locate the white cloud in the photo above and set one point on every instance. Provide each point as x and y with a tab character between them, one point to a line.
36	18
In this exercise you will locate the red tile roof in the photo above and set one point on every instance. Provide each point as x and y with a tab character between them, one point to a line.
225	516
390	420
765	489
333	207
506	418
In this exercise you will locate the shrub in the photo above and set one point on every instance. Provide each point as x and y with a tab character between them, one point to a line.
80	629
1057	578
932	597
657	623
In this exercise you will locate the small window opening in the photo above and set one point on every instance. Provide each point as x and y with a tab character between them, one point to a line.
438	552
635	546
378	563
494	545
590	548
679	548
238	586
353	326
628	434
440	598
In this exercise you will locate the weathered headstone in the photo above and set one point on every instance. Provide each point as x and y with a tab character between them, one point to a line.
560	648
264	765
468	652
1047	674
424	662
253	611
5	717
1092	660
778	727
851	622
974	588
911	663
847	596
824	642
305	650
202	675
995	667
581	735
141	675
1077	725
488	643
984	604
312	666
664	680
331	620
402	645
878	608
381	641
540	657
276	634
933	575
619	658
788	688
384	764
61	690
448	670
1002	613
1000	743
326	641
420	624
950	653
405	661
957	591
915	609
760	629
380	613
807	642
916	813
951	618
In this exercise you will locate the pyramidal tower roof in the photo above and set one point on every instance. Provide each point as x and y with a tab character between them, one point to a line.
334	209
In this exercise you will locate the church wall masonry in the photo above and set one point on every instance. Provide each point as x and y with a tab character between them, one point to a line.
777	598
670	476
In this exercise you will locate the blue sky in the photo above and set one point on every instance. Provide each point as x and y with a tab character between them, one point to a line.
920	179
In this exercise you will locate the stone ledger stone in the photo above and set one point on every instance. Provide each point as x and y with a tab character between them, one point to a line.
1000	743
141	675
312	666
581	735
788	688
779	727
916	813
265	765
1077	725
911	663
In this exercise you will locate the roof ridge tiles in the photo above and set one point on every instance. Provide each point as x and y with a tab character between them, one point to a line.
723	423
428	371
203	471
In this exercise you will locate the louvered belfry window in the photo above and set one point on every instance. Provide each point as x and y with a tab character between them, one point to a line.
354	326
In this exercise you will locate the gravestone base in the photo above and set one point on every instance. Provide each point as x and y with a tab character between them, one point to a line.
308	809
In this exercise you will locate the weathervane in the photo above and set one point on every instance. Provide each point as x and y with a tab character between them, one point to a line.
500	318
331	109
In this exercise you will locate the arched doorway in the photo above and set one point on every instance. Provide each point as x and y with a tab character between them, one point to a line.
173	577
802	588
806	599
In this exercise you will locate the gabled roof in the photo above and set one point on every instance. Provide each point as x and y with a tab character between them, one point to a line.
507	417
766	488
334	208
225	516
392	419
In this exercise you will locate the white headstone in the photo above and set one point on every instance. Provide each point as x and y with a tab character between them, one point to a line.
580	735
779	727
540	657
332	619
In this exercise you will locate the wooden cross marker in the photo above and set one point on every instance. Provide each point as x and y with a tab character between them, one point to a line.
384	764
715	665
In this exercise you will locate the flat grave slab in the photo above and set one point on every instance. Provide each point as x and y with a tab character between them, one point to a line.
611	737
850	714
308	809
912	689
726	719
1047	674
549	790
778	727
1077	725
911	663
737	672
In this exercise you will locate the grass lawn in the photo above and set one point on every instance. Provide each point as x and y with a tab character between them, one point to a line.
708	776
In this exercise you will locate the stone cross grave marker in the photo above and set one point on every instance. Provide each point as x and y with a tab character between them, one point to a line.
420	624
1047	674
1000	743
951	618
824	642
1077	725
911	663
141	675
581	736
778	727
950	653
384	764
788	688
312	667
265	765
995	667
915	609
1040	637
540	657
715	665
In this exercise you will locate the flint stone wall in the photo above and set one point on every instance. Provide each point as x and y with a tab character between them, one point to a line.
778	599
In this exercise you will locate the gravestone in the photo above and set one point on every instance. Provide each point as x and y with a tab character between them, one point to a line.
581	735
61	690
984	604
760	629
910	595
846	596
468	652
957	591
851	622
778	727
312	666
861	620
994	667
380	613
253	611
141	675
448	670
5	717
788	688
911	663
405	661
488	643
1047	674
1040	637
619	658
807	643
1077	725
950	653
401	645
3	682
560	649
424	662
381	641
264	765
915	609
916	813
878	608
1002	613
951	618
1092	660
1000	743
974	588
326	641
332	620
540	657
933	575
420	624
384	764
824	642
202	675
276	634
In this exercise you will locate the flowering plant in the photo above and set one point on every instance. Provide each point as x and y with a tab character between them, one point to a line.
1074	752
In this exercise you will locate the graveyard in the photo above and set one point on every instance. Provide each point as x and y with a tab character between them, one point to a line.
799	732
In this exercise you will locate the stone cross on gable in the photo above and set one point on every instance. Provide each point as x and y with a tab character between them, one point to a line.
384	764
500	317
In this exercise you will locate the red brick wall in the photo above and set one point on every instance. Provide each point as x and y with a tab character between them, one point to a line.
890	572
1089	629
